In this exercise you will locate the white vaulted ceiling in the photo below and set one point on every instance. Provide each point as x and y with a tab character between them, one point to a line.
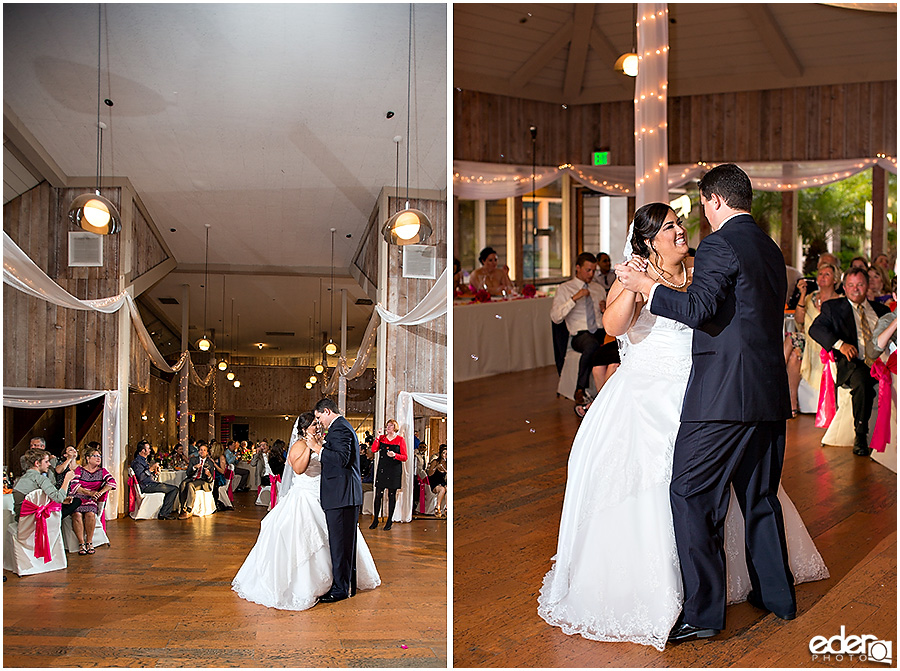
267	121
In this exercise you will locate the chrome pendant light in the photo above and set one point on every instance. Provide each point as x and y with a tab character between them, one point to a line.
409	226
93	212
205	344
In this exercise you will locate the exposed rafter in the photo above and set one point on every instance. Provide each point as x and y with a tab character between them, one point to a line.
578	51
773	38
543	56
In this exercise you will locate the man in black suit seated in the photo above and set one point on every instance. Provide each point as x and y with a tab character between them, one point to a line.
199	476
845	326
341	495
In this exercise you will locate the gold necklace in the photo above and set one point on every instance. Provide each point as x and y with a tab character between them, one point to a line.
660	275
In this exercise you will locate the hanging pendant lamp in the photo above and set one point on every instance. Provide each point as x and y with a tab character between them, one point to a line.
93	212
409	226
331	348
628	62
205	344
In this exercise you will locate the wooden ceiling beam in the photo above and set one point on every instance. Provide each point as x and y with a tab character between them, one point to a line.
577	61
543	56
608	54
774	39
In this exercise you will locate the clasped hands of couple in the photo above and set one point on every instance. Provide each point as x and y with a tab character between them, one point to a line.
632	275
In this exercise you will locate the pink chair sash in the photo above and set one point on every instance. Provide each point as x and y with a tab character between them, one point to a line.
881	435
132	496
230	483
422	483
273	488
41	537
827	407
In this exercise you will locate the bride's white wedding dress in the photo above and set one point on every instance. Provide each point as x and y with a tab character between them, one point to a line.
290	565
616	574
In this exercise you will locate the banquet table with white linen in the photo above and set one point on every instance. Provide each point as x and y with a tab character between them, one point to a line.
171	477
501	337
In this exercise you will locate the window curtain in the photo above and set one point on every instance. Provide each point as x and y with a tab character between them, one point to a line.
30	397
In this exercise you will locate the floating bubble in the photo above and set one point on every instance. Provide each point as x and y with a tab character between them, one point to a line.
532	430
475	357
528	421
498	317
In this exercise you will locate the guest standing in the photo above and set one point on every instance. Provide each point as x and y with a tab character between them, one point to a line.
391	450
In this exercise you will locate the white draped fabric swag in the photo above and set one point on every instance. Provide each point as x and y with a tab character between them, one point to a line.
492	181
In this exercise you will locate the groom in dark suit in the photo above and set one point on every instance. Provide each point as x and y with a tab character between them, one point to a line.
341	495
735	407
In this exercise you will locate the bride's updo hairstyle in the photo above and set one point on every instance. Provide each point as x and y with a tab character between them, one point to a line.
647	222
304	422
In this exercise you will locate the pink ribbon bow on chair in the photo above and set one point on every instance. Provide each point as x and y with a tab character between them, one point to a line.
132	497
881	435
41	538
273	489
826	409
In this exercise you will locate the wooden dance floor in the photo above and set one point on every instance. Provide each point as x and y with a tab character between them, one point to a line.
160	596
512	438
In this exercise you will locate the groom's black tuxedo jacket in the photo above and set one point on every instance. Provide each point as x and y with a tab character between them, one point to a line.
735	305
340	485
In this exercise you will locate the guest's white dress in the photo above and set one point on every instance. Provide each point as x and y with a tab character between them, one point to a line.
290	565
616	574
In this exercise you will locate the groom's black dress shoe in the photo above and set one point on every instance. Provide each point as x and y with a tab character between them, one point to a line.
330	597
756	602
684	632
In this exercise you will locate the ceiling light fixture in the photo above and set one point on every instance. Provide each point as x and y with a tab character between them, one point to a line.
409	226
237	383
309	385
313	379
627	63
204	344
331	348
93	212
319	368
223	364
230	375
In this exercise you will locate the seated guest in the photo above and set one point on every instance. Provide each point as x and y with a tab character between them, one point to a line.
146	477
879	285
884	335
489	276
437	478
220	475
845	326
179	458
604	275
241	475
67	463
859	262
260	463
883	261
39	443
460	285
91	484
199	476
365	464
579	303
276	458
35	477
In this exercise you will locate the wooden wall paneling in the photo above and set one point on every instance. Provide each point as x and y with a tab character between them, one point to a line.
147	252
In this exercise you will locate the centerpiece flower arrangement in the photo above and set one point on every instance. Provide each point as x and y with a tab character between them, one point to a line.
528	291
481	296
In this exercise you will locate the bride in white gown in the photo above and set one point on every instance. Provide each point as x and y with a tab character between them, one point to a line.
616	575
290	565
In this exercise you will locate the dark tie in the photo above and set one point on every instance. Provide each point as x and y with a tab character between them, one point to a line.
591	315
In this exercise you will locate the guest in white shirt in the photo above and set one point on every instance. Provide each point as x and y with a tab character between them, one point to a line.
580	302
605	275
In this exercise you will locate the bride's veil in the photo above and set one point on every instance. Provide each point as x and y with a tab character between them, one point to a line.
288	474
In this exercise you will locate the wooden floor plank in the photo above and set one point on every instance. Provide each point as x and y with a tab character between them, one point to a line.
160	595
512	438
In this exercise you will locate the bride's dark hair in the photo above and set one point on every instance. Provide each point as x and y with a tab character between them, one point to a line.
304	422
647	222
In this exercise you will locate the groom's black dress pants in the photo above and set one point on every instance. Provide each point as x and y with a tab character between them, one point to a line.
709	457
341	524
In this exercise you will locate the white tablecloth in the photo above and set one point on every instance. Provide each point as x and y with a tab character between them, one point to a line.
501	337
172	477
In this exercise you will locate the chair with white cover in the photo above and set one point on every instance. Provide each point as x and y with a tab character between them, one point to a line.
70	540
273	497
368	498
143	506
841	431
568	378
426	499
263	496
37	537
204	503
226	495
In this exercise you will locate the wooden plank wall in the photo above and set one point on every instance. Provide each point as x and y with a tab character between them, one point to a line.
147	252
416	355
53	347
264	390
804	123
161	426
366	259
139	368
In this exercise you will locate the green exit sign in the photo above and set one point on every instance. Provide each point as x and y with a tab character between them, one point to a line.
601	158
